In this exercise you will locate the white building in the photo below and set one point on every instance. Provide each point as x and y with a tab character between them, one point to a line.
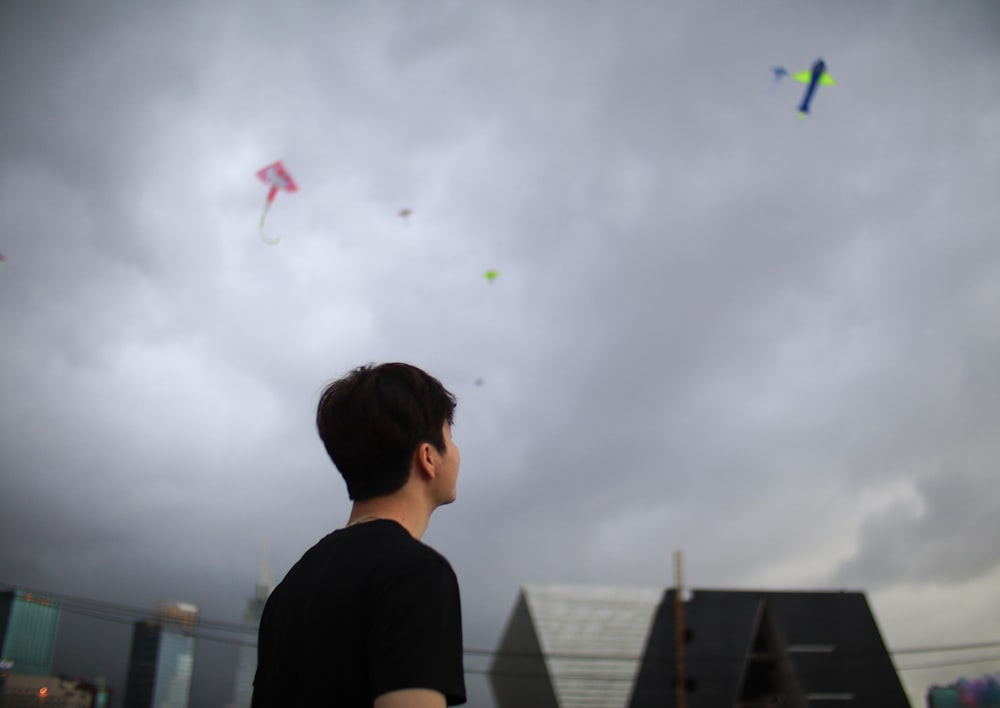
568	646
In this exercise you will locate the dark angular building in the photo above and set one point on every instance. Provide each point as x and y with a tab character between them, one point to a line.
759	649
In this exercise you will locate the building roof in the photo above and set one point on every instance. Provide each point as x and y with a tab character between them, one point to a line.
568	645
752	648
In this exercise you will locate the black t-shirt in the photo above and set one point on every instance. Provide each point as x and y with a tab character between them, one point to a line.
367	610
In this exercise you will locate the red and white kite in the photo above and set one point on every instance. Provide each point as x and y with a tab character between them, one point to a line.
277	177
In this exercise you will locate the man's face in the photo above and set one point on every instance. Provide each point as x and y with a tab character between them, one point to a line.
450	461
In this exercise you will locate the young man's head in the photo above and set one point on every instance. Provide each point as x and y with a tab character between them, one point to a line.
372	421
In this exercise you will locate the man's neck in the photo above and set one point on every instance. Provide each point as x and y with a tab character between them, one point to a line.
406	514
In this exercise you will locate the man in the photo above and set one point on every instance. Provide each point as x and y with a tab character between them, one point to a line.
370	615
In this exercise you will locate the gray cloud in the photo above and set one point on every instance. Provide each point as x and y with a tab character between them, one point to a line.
766	341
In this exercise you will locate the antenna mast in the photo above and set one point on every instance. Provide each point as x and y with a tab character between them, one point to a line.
265	570
679	633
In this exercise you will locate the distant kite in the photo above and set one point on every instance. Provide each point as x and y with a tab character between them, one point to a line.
779	73
491	275
815	76
404	214
276	177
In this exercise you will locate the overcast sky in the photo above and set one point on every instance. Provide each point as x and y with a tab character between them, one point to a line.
769	342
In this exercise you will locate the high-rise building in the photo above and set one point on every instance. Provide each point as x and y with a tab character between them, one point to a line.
161	662
28	627
246	664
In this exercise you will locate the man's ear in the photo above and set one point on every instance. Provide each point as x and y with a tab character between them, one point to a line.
425	459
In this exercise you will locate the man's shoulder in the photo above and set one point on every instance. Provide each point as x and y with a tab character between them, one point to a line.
379	542
369	555
398	543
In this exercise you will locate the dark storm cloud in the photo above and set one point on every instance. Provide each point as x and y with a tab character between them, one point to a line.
768	342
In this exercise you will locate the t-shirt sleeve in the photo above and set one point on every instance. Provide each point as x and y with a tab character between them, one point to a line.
416	632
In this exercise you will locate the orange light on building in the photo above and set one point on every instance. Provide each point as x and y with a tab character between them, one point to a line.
43	691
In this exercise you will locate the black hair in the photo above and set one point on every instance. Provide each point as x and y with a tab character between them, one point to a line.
372	421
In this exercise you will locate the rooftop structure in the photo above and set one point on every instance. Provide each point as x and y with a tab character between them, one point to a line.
568	645
579	646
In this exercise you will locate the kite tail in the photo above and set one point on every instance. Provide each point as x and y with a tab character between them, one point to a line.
263	236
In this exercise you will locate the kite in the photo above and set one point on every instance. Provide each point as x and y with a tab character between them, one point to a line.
779	73
491	275
276	177
815	76
404	214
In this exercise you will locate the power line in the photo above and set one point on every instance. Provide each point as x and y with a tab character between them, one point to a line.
949	647
115	612
207	629
957	662
544	673
734	657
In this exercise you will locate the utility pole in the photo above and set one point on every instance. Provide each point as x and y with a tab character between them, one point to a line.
679	634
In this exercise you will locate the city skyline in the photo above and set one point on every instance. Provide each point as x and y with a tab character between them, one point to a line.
209	631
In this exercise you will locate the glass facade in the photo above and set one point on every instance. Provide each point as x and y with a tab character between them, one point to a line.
246	669
174	670
161	665
28	627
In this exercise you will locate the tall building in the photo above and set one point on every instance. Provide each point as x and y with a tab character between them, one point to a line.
246	664
161	662
28	627
574	647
